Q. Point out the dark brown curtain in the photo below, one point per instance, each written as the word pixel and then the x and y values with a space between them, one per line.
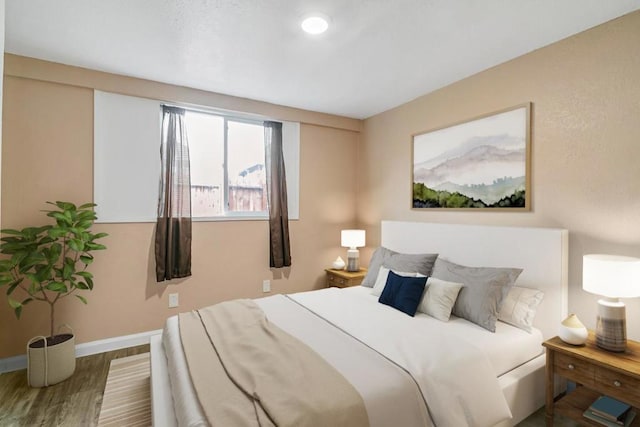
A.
pixel 279 250
pixel 173 229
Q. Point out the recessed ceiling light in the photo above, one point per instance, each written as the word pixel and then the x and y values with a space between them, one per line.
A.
pixel 315 24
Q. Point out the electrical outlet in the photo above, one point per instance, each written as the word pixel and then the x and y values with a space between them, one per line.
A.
pixel 173 300
pixel 266 286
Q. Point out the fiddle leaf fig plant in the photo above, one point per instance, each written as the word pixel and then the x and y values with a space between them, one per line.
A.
pixel 49 262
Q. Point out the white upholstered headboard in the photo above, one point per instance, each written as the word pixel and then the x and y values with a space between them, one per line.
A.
pixel 542 253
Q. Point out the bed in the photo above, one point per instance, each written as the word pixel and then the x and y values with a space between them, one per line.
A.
pixel 511 355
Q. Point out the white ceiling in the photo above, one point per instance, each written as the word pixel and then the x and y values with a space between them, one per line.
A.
pixel 377 54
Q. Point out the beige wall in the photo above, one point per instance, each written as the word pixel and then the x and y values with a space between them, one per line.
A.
pixel 585 148
pixel 2 7
pixel 47 155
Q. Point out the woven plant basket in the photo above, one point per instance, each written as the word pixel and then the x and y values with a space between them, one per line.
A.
pixel 50 364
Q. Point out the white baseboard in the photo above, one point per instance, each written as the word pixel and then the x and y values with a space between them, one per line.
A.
pixel 16 363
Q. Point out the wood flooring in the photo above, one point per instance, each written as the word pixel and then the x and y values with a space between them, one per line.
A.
pixel 75 402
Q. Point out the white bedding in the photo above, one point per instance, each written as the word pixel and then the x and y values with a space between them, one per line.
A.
pixel 352 359
pixel 374 377
pixel 506 349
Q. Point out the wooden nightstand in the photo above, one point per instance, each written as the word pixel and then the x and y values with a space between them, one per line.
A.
pixel 343 278
pixel 597 372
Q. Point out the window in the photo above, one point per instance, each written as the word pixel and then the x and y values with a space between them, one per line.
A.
pixel 227 166
pixel 227 162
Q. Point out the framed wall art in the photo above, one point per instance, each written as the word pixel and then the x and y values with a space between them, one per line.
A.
pixel 483 163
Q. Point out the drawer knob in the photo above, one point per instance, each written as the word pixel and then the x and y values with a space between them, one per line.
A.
pixel 617 383
pixel 570 366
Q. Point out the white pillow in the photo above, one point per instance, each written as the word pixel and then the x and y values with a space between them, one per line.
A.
pixel 439 298
pixel 519 307
pixel 381 280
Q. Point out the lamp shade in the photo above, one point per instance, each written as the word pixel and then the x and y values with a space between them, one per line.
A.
pixel 353 238
pixel 611 276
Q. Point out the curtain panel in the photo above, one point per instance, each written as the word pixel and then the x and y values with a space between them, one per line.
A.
pixel 279 249
pixel 173 228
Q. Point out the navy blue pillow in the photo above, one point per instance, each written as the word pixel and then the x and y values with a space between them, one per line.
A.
pixel 403 293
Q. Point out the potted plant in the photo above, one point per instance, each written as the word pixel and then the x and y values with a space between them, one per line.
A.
pixel 46 264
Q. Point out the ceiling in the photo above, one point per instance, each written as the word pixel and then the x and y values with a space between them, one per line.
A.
pixel 377 54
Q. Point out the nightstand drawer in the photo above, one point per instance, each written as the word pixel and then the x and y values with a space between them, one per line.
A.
pixel 575 369
pixel 337 281
pixel 343 279
pixel 619 385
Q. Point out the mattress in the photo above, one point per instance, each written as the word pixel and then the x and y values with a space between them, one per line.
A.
pixel 506 349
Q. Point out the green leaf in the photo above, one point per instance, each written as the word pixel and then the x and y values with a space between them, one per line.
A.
pixel 85 274
pixel 87 216
pixel 89 283
pixel 32 232
pixel 99 236
pixel 11 231
pixel 87 206
pixel 85 224
pixel 27 301
pixel 10 239
pixel 5 265
pixel 86 259
pixel 17 248
pixel 81 298
pixel 14 285
pixel 76 245
pixel 57 232
pixel 18 311
pixel 95 246
pixel 45 240
pixel 30 261
pixel 67 206
pixel 44 274
pixel 54 253
pixel 13 303
pixel 82 285
pixel 67 271
pixel 57 287
pixel 61 218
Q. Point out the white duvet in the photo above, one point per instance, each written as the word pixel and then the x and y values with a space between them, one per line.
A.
pixel 456 378
pixel 455 365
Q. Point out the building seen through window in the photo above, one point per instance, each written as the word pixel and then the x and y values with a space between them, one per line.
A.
pixel 227 166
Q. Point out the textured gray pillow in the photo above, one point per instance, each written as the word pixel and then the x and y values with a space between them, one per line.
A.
pixel 485 288
pixel 411 263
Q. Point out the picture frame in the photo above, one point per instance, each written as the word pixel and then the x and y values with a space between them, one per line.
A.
pixel 479 164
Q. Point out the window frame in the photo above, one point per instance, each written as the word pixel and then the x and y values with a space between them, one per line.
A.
pixel 126 162
pixel 238 118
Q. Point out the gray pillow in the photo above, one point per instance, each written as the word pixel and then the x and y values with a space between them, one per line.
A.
pixel 411 263
pixel 485 288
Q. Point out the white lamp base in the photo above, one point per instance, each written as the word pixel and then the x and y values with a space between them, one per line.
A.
pixel 611 326
pixel 353 260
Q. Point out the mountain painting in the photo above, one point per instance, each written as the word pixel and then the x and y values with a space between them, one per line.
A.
pixel 482 163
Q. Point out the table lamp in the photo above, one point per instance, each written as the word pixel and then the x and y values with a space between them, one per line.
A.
pixel 353 239
pixel 613 277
